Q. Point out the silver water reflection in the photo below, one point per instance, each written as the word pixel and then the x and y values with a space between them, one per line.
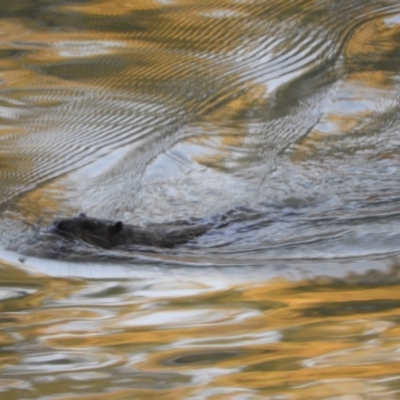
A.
pixel 280 118
pixel 188 334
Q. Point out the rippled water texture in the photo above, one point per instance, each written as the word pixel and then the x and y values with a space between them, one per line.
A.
pixel 279 118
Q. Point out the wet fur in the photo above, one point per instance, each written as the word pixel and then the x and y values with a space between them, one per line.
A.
pixel 109 234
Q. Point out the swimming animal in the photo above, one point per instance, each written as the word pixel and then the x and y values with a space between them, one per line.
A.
pixel 109 234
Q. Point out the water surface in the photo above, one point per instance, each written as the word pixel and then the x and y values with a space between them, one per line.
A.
pixel 281 117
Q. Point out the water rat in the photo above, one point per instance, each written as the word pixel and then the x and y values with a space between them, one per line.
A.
pixel 109 234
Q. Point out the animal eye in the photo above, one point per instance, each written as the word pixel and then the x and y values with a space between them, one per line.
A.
pixel 60 225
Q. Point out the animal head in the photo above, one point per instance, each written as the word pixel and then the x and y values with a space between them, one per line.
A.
pixel 98 232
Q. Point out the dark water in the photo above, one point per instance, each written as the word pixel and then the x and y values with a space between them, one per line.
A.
pixel 281 118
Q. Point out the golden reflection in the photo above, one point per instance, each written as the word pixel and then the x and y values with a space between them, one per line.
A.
pixel 226 129
pixel 43 203
pixel 372 43
pixel 137 394
pixel 371 59
pixel 105 74
pixel 277 336
pixel 113 8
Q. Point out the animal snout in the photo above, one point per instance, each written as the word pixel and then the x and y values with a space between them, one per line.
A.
pixel 56 226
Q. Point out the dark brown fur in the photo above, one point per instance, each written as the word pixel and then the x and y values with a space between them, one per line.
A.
pixel 109 234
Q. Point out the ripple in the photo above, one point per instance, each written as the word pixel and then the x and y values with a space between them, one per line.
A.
pixel 58 361
pixel 275 122
pixel 15 293
pixel 177 318
pixel 222 40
